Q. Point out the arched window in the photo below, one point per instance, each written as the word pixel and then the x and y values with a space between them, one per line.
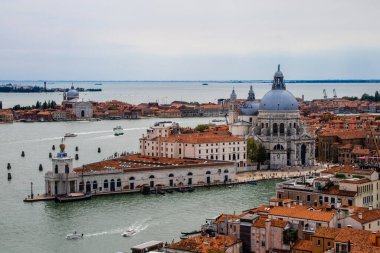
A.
pixel 131 178
pixel 208 173
pixel 278 147
pixel 225 171
pixel 67 169
pixel 105 184
pixel 171 175
pixel 88 186
pixel 275 128
pixel 151 176
pixel 118 182
pixel 282 128
pixel 56 168
pixel 190 174
pixel 95 185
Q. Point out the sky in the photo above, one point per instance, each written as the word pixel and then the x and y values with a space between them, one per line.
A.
pixel 188 39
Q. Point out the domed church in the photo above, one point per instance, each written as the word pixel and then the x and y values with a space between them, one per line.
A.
pixel 279 128
pixel 78 108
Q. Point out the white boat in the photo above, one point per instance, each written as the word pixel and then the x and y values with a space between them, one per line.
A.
pixel 128 233
pixel 70 135
pixel 118 131
pixel 74 236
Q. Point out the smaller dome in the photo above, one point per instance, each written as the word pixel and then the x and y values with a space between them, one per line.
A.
pixel 250 108
pixel 72 93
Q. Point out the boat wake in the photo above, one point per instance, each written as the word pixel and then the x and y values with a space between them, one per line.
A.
pixel 136 227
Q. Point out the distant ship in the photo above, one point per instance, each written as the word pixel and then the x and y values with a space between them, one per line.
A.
pixel 98 84
pixel 204 83
pixel 70 135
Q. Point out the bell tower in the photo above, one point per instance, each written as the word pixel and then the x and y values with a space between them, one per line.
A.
pixel 232 108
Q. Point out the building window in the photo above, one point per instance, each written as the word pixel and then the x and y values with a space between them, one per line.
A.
pixel 56 169
pixel 308 197
pixel 105 184
pixel 118 182
pixel 95 185
pixel 319 243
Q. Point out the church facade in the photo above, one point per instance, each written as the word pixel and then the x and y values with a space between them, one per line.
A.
pixel 275 122
pixel 71 102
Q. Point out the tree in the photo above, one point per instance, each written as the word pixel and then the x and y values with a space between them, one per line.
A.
pixel 44 105
pixel 252 149
pixel 201 127
pixel 262 154
pixel 38 105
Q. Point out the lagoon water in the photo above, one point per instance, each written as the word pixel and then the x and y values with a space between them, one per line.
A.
pixel 42 226
pixel 166 92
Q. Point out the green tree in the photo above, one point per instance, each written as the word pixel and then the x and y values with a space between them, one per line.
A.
pixel 262 154
pixel 44 105
pixel 201 127
pixel 38 105
pixel 252 149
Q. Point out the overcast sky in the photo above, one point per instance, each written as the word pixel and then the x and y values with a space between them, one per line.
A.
pixel 188 39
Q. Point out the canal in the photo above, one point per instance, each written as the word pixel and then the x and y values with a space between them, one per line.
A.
pixel 42 226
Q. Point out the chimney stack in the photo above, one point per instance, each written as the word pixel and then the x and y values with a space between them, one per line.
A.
pixel 370 207
pixel 360 215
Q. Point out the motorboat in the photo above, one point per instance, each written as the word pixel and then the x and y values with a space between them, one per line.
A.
pixel 74 236
pixel 129 233
pixel 118 131
pixel 71 197
pixel 70 135
pixel 204 83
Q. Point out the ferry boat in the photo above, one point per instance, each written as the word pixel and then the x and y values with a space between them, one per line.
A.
pixel 70 135
pixel 118 131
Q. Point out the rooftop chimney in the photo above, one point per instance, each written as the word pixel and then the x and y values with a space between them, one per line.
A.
pixel 360 215
pixel 349 226
pixel 370 207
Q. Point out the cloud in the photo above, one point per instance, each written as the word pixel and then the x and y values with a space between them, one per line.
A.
pixel 177 39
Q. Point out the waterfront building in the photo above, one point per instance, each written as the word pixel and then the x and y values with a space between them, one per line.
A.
pixel 6 116
pixel 215 143
pixel 132 172
pixel 337 186
pixel 72 103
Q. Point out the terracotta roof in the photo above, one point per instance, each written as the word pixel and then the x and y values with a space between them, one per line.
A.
pixel 364 249
pixel 334 190
pixel 367 216
pixel 259 223
pixel 303 245
pixel 205 137
pixel 223 216
pixel 278 223
pixel 355 236
pixel 285 201
pixel 327 232
pixel 302 213
pixel 204 244
pixel 139 162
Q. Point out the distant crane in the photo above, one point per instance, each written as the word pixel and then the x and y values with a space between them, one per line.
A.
pixel 324 94
pixel 334 91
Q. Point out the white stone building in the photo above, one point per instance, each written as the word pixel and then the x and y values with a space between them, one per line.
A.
pixel 133 172
pixel 166 140
pixel 81 109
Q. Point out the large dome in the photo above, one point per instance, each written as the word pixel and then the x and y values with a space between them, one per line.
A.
pixel 278 100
